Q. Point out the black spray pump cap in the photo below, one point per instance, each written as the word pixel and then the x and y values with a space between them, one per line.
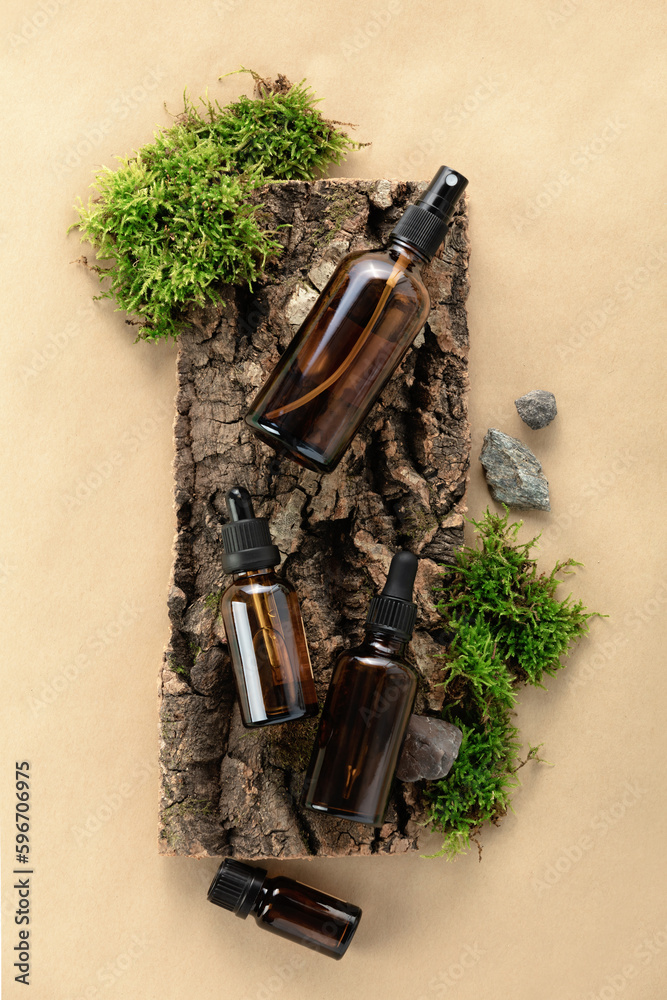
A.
pixel 236 887
pixel 424 225
pixel 246 538
pixel 394 610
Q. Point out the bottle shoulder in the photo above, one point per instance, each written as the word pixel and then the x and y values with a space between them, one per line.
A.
pixel 379 264
pixel 365 658
pixel 273 891
pixel 280 885
pixel 246 587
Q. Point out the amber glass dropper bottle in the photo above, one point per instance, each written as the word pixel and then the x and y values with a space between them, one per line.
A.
pixel 286 907
pixel 367 709
pixel 263 623
pixel 354 337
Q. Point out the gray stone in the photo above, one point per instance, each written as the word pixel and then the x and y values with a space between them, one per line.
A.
pixel 430 748
pixel 513 473
pixel 537 408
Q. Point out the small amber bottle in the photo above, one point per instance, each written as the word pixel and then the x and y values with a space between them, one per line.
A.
pixel 286 907
pixel 367 709
pixel 263 623
pixel 354 337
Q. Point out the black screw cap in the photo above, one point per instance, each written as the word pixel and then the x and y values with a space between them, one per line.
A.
pixel 246 538
pixel 394 610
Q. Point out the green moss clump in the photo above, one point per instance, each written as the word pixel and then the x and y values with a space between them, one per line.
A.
pixel 279 133
pixel 500 583
pixel 175 220
pixel 507 628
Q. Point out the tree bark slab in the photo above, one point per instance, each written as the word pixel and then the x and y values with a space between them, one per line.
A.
pixel 226 790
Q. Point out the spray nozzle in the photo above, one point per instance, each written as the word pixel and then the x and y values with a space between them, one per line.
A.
pixel 442 194
pixel 424 225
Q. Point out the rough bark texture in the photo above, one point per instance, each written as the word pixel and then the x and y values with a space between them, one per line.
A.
pixel 231 791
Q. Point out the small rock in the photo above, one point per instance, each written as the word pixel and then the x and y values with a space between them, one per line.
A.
pixel 513 473
pixel 537 408
pixel 430 748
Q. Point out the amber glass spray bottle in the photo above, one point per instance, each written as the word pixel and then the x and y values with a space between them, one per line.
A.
pixel 354 337
pixel 367 709
pixel 263 623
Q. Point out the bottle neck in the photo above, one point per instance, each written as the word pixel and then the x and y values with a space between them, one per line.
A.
pixel 385 643
pixel 256 880
pixel 246 574
pixel 412 257
pixel 262 896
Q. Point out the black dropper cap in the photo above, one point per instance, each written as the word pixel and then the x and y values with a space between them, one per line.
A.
pixel 424 225
pixel 394 610
pixel 236 887
pixel 246 538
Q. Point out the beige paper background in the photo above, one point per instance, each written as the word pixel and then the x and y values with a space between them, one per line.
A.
pixel 552 110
